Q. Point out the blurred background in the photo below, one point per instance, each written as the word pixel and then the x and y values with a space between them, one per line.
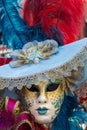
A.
pixel 83 32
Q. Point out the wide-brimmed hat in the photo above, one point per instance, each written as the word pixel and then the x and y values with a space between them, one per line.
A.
pixel 39 53
pixel 33 63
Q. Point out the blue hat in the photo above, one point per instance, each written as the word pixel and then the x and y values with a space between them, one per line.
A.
pixel 43 60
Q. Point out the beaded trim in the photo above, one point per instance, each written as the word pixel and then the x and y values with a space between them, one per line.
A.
pixel 53 74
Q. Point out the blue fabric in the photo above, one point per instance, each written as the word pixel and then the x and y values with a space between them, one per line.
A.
pixel 62 121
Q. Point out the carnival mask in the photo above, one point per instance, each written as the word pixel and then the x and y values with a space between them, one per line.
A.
pixel 44 100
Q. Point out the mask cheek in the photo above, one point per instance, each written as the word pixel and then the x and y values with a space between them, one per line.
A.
pixel 56 98
pixel 29 98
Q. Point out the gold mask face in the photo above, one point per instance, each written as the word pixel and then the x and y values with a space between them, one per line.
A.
pixel 44 100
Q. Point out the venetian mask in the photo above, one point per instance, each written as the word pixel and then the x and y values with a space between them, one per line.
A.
pixel 43 100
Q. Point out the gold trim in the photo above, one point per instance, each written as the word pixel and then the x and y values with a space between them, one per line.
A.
pixel 6 103
pixel 11 128
pixel 16 109
pixel 22 122
pixel 26 112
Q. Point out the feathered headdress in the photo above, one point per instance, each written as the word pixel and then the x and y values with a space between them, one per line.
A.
pixel 15 31
pixel 45 20
pixel 61 18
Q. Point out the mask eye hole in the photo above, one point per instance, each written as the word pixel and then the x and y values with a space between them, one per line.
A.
pixel 34 88
pixel 52 87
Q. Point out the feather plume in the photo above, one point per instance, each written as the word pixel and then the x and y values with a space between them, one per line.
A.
pixel 13 27
pixel 15 32
pixel 71 115
pixel 60 17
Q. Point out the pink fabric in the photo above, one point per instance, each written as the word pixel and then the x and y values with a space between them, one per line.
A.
pixel 23 117
pixel 6 120
pixel 11 105
pixel 30 124
pixel 25 120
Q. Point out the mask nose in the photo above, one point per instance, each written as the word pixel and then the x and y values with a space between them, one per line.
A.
pixel 42 98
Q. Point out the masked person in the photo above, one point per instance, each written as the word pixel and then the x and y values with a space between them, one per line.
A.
pixel 44 73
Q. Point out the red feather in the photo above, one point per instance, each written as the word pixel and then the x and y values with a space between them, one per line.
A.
pixel 64 15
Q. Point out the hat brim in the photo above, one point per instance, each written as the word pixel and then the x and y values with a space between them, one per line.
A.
pixel 59 65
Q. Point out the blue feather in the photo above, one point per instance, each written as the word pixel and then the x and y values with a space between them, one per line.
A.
pixel 77 118
pixel 69 116
pixel 15 32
